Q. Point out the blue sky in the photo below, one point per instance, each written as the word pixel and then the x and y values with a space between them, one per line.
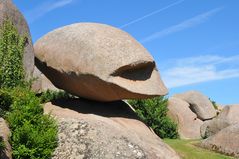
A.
pixel 195 43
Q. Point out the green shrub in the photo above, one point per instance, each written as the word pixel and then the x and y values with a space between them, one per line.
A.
pixel 5 101
pixel 214 104
pixel 34 135
pixel 49 95
pixel 11 56
pixel 154 113
pixel 2 145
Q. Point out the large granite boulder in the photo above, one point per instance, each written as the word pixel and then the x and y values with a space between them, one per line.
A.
pixel 199 103
pixel 4 135
pixel 230 113
pixel 211 127
pixel 89 129
pixel 228 116
pixel 225 141
pixel 98 62
pixel 188 123
pixel 41 83
pixel 9 11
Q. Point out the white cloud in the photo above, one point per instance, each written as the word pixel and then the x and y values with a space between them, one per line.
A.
pixel 199 69
pixel 189 23
pixel 45 8
pixel 151 14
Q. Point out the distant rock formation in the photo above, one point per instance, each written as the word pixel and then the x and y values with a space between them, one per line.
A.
pixel 228 116
pixel 190 110
pixel 188 123
pixel 89 129
pixel 225 141
pixel 199 104
pixel 8 11
pixel 98 62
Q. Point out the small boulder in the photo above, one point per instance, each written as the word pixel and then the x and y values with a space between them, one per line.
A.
pixel 98 62
pixel 89 129
pixel 230 113
pixel 41 83
pixel 228 116
pixel 225 141
pixel 9 11
pixel 188 123
pixel 199 104
pixel 211 127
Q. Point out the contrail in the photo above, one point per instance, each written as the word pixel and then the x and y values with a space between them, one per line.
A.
pixel 183 25
pixel 152 13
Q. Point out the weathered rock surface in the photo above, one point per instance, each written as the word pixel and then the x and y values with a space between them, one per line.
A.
pixel 199 104
pixel 98 62
pixel 228 116
pixel 211 127
pixel 89 129
pixel 9 11
pixel 188 123
pixel 41 83
pixel 230 113
pixel 4 134
pixel 225 141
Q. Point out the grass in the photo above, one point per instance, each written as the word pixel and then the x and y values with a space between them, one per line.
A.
pixel 187 149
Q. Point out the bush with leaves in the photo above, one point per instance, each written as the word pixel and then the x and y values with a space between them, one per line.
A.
pixel 2 145
pixel 50 95
pixel 11 56
pixel 5 101
pixel 214 104
pixel 154 113
pixel 34 135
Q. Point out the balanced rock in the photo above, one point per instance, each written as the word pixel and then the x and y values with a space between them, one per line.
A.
pixel 228 116
pixel 199 103
pixel 89 129
pixel 188 123
pixel 98 62
pixel 8 11
pixel 225 141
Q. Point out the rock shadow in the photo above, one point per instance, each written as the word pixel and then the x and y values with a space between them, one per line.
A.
pixel 105 109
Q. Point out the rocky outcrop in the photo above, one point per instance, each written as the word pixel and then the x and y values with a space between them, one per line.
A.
pixel 211 127
pixel 228 116
pixel 98 62
pixel 9 11
pixel 225 141
pixel 4 134
pixel 41 83
pixel 199 104
pixel 188 123
pixel 89 129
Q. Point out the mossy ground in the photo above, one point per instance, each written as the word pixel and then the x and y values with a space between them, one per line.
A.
pixel 188 149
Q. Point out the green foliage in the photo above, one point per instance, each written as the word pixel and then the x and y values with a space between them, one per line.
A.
pixel 214 104
pixel 2 145
pixel 11 56
pixel 34 135
pixel 5 101
pixel 154 113
pixel 49 95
